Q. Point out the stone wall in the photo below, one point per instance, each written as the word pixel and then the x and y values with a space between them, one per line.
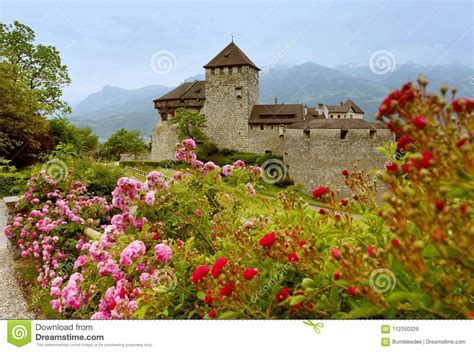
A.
pixel 163 141
pixel 266 140
pixel 231 93
pixel 317 158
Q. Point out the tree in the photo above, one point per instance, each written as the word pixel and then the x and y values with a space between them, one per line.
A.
pixel 189 125
pixel 124 142
pixel 24 133
pixel 38 66
pixel 66 133
pixel 31 81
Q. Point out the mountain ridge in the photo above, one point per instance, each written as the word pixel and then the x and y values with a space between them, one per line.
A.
pixel 309 83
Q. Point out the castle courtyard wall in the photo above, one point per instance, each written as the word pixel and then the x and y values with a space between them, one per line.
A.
pixel 266 140
pixel 164 139
pixel 317 158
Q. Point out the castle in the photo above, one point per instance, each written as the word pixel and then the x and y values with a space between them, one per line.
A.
pixel 315 142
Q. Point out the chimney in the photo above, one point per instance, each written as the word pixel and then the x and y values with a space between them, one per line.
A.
pixel 276 100
pixel 305 110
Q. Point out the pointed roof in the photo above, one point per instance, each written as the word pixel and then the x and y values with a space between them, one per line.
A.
pixel 230 56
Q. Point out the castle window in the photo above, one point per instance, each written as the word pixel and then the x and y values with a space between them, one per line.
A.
pixel 213 71
pixel 239 69
pixel 262 127
pixel 344 134
pixel 251 127
pixel 230 69
pixel 372 134
pixel 338 116
pixel 307 134
pixel 221 70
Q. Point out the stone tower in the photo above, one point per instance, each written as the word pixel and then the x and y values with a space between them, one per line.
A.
pixel 232 89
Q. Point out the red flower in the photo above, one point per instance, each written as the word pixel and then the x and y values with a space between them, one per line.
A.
pixel 226 291
pixel 292 257
pixel 302 243
pixel 267 240
pixel 335 252
pixel 403 142
pixel 180 243
pixel 212 314
pixel 322 211
pixel 208 299
pixel 318 192
pixel 398 97
pixel 344 202
pixel 351 290
pixel 395 243
pixel 461 142
pixel 250 273
pixel 406 168
pixel 337 275
pixel 391 167
pixel 426 157
pixel 370 251
pixel 464 209
pixel 199 273
pixel 345 172
pixel 439 204
pixel 218 266
pixel 283 294
pixel 419 122
pixel 337 217
pixel 462 103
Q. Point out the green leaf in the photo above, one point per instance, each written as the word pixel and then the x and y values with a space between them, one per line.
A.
pixel 229 315
pixel 307 283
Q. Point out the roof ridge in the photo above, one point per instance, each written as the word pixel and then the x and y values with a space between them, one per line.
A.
pixel 187 90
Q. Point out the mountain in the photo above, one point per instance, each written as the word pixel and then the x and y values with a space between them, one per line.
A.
pixel 117 101
pixel 309 83
pixel 453 75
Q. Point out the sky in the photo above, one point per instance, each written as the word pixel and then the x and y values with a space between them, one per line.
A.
pixel 135 43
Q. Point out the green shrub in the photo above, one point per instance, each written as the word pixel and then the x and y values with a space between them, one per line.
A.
pixel 151 164
pixel 100 178
pixel 12 184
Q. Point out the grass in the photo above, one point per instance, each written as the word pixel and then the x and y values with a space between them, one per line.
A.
pixel 37 298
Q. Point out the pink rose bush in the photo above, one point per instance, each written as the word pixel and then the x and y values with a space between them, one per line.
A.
pixel 50 220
